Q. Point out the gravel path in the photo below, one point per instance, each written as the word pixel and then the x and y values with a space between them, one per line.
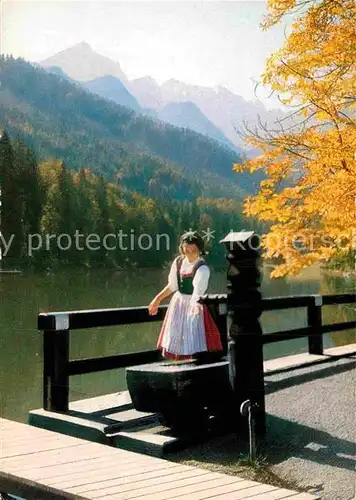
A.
pixel 311 427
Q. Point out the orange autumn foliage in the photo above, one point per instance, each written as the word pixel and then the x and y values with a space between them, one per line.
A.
pixel 309 192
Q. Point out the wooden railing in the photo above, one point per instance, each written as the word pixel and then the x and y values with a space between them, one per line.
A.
pixel 56 327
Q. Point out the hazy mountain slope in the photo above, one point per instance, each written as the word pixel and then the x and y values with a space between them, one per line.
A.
pixel 188 115
pixel 112 88
pixel 81 63
pixel 56 70
pixel 147 91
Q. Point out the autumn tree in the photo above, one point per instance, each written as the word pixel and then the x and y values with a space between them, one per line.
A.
pixel 308 194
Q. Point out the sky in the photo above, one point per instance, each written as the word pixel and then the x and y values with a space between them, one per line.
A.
pixel 202 42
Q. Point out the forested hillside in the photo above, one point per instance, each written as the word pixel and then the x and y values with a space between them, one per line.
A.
pixel 51 215
pixel 59 119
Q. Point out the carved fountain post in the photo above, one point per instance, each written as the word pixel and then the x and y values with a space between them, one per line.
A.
pixel 244 308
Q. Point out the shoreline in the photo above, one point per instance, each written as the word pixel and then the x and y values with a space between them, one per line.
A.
pixel 339 273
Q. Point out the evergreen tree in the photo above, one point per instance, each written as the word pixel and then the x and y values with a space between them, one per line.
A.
pixel 11 222
pixel 31 190
pixel 83 185
pixel 102 223
pixel 58 221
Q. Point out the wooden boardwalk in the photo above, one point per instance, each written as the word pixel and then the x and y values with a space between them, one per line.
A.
pixel 41 464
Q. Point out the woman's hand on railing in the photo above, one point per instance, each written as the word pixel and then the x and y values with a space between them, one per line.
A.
pixel 153 307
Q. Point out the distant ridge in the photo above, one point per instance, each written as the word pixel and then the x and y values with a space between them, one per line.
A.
pixel 148 92
pixel 186 114
pixel 56 70
pixel 112 88
pixel 81 63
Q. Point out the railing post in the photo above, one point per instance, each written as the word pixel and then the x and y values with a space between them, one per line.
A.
pixel 55 361
pixel 60 378
pixel 47 366
pixel 222 326
pixel 315 339
pixel 244 307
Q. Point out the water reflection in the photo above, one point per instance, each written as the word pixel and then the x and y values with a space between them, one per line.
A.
pixel 339 313
pixel 23 296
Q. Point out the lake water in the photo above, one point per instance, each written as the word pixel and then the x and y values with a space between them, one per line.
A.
pixel 23 296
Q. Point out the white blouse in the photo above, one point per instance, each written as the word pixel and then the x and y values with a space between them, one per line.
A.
pixel 200 280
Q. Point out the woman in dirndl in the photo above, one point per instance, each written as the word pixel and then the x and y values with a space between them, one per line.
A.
pixel 188 327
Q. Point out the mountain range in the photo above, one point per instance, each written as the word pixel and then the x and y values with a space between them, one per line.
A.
pixel 215 112
pixel 59 118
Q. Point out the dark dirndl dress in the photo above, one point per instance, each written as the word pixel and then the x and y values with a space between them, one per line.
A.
pixel 183 333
